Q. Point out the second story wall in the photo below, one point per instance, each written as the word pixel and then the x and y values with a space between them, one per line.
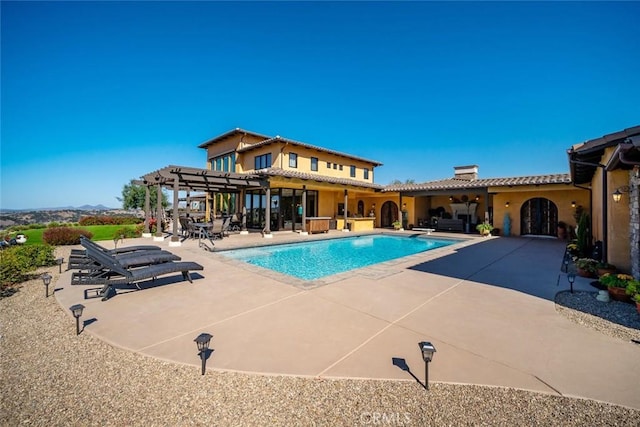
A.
pixel 307 160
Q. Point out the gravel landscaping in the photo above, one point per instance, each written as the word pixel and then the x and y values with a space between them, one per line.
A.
pixel 50 376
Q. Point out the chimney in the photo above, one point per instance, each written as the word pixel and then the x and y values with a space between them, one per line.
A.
pixel 468 173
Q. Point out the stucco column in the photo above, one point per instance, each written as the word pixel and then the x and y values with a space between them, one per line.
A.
pixel 147 212
pixel 304 210
pixel 158 235
pixel 175 238
pixel 634 220
pixel 346 203
pixel 267 214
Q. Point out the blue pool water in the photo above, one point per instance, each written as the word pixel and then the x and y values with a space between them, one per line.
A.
pixel 313 260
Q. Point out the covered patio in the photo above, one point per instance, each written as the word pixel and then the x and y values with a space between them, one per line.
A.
pixel 189 179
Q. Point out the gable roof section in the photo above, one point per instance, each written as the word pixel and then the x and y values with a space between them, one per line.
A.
pixel 584 158
pixel 230 133
pixel 463 184
pixel 287 173
pixel 305 145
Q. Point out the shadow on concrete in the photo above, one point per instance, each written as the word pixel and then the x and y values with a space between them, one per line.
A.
pixel 529 265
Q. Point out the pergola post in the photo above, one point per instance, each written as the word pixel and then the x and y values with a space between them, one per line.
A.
pixel 175 237
pixel 267 214
pixel 304 211
pixel 346 203
pixel 158 236
pixel 147 212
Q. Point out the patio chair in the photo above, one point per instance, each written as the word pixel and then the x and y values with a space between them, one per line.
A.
pixel 113 273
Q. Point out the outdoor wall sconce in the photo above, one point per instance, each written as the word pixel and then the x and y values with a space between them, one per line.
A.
pixel 77 312
pixel 46 280
pixel 373 206
pixel 571 277
pixel 573 203
pixel 477 198
pixel 427 350
pixel 404 206
pixel 617 195
pixel 59 261
pixel 451 198
pixel 506 205
pixel 202 341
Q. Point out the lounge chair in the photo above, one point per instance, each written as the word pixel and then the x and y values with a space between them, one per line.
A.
pixel 79 259
pixel 112 272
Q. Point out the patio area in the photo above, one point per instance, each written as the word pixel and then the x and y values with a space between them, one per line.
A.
pixel 486 304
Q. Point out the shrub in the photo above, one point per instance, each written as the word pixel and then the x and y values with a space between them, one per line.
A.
pixel 128 232
pixel 615 280
pixel 17 262
pixel 64 236
pixel 109 220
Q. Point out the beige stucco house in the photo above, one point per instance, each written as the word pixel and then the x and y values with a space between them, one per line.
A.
pixel 609 168
pixel 280 183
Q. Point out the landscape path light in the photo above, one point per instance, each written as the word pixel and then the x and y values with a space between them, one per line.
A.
pixel 571 277
pixel 76 309
pixel 427 350
pixel 59 261
pixel 46 279
pixel 202 341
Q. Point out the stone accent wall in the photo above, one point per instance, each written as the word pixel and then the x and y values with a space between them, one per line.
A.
pixel 634 225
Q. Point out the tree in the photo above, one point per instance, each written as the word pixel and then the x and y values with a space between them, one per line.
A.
pixel 133 197
pixel 398 182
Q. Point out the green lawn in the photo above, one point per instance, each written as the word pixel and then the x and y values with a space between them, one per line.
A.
pixel 100 232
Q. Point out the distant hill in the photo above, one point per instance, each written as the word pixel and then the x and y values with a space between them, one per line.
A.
pixel 60 215
pixel 62 208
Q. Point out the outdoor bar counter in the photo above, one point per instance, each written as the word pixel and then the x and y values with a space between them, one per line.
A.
pixel 357 224
pixel 318 224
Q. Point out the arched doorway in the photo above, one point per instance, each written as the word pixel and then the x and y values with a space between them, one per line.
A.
pixel 388 213
pixel 360 208
pixel 539 217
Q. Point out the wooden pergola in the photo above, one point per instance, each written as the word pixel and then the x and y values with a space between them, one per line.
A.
pixel 181 178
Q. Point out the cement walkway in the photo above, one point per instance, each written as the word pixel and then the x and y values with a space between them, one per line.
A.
pixel 486 304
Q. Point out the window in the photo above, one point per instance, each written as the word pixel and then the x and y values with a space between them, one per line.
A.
pixel 314 164
pixel 262 162
pixel 366 173
pixel 328 165
pixel 225 163
pixel 335 166
pixel 293 160
pixel 353 172
pixel 340 167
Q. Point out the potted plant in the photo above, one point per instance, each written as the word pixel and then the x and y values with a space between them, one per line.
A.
pixel 397 225
pixel 484 228
pixel 604 268
pixel 633 290
pixel 617 286
pixel 572 248
pixel 562 230
pixel 586 267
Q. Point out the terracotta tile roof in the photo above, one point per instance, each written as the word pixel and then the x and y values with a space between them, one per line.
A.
pixel 286 173
pixel 456 183
pixel 304 144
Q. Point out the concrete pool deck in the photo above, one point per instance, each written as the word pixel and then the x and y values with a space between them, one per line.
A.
pixel 486 304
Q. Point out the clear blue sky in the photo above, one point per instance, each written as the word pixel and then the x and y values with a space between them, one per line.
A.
pixel 95 94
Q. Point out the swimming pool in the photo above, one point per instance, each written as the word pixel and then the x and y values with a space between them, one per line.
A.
pixel 317 259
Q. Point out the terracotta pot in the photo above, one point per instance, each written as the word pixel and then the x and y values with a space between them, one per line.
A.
pixel 603 271
pixel 619 294
pixel 584 273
